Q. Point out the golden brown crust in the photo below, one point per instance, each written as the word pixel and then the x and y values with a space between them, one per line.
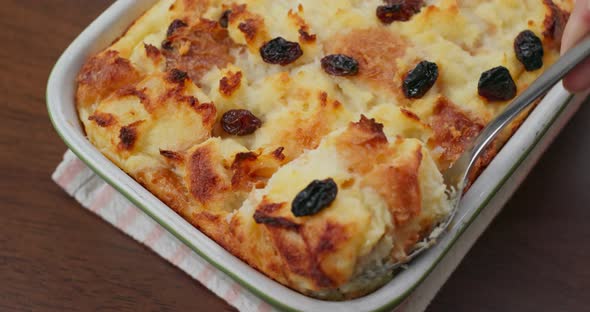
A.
pixel 237 12
pixel 171 155
pixel 305 36
pixel 367 132
pixel 363 144
pixel 367 150
pixel 304 250
pixel 243 167
pixel 207 111
pixel 195 5
pixel 132 91
pixel 453 130
pixel 103 74
pixel 482 162
pixel 170 189
pixel 250 28
pixel 278 153
pixel 128 135
pixel 305 131
pixel 176 76
pixel 103 119
pixel 262 216
pixel 376 50
pixel 198 48
pixel 400 187
pixel 554 23
pixel 254 170
pixel 205 182
pixel 410 114
pixel 303 28
pixel 152 52
pixel 249 25
pixel 230 83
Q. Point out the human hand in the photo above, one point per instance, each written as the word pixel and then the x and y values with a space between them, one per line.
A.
pixel 576 29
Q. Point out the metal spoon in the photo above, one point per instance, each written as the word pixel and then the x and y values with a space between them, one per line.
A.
pixel 457 176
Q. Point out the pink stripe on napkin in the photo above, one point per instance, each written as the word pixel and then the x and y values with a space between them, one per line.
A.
pixel 103 196
pixel 99 197
pixel 264 307
pixel 206 274
pixel 154 235
pixel 233 293
pixel 129 217
pixel 181 252
pixel 70 172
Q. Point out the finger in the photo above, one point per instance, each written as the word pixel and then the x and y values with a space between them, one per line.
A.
pixel 578 25
pixel 576 29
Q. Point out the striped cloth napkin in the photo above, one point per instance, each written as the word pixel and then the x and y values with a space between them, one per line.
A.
pixel 99 197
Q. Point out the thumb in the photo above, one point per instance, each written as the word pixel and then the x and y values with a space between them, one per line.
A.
pixel 576 29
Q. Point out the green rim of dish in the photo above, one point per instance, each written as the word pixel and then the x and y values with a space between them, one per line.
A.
pixel 275 302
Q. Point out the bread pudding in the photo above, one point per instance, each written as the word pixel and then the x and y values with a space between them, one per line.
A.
pixel 308 138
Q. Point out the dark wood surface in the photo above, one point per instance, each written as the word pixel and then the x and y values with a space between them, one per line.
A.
pixel 56 256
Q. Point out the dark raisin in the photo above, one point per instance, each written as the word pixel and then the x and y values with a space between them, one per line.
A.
pixel 420 79
pixel 398 10
pixel 280 51
pixel 496 84
pixel 340 65
pixel 174 26
pixel 318 195
pixel 240 122
pixel 224 19
pixel 529 50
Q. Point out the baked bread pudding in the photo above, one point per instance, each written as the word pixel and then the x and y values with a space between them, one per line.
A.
pixel 308 137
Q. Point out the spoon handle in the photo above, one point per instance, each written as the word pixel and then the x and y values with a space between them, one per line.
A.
pixel 537 89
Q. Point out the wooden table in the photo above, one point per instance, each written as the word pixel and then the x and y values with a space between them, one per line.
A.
pixel 56 256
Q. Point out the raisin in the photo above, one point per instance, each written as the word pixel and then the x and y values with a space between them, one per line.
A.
pixel 224 19
pixel 529 50
pixel 398 10
pixel 280 51
pixel 174 26
pixel 340 65
pixel 496 84
pixel 318 195
pixel 240 122
pixel 420 79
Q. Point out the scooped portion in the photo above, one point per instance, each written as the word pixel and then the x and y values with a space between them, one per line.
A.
pixel 311 147
pixel 359 201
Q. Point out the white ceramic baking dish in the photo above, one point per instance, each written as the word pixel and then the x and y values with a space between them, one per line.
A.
pixel 479 206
